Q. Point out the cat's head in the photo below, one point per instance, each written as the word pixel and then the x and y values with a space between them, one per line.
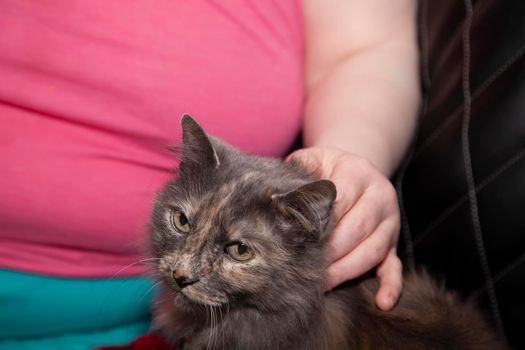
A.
pixel 240 230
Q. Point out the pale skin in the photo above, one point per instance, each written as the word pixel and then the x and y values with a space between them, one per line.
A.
pixel 362 100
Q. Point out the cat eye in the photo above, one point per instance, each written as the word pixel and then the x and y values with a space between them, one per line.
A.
pixel 180 221
pixel 239 251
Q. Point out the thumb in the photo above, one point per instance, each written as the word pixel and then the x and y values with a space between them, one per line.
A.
pixel 305 157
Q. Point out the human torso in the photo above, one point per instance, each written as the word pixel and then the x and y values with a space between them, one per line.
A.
pixel 91 96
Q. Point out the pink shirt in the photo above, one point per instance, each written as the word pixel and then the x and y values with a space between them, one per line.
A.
pixel 91 93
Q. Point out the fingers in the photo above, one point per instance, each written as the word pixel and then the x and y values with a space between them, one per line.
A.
pixel 366 215
pixel 390 275
pixel 355 226
pixel 365 256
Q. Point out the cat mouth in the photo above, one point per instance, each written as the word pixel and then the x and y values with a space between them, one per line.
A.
pixel 194 298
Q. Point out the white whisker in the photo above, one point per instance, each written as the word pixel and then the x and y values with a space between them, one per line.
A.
pixel 208 324
pixel 219 329
pixel 133 264
pixel 150 289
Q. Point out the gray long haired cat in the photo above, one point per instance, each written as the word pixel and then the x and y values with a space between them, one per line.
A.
pixel 240 242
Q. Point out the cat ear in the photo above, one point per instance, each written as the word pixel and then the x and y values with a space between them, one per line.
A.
pixel 309 205
pixel 196 145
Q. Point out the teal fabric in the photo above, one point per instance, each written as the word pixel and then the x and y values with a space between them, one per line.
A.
pixel 42 312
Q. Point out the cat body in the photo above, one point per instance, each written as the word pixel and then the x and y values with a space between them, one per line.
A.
pixel 240 242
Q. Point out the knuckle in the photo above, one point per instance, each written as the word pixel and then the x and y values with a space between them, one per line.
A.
pixel 361 226
pixel 393 226
pixel 396 227
pixel 396 264
pixel 379 253
pixel 393 236
pixel 389 192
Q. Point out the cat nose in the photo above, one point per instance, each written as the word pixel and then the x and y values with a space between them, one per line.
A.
pixel 181 280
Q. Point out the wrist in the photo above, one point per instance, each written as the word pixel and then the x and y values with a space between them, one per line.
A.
pixel 366 145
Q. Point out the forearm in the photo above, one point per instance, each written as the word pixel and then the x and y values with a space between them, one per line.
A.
pixel 362 84
pixel 366 105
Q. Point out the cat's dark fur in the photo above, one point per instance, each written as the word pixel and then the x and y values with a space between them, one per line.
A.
pixel 274 300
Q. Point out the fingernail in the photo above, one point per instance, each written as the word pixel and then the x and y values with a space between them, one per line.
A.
pixel 391 301
pixel 388 303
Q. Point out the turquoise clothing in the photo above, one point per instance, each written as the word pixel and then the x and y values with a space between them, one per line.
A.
pixel 42 312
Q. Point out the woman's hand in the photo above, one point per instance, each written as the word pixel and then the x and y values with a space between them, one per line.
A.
pixel 367 221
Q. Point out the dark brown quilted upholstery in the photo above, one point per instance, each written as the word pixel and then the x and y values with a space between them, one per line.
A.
pixel 462 191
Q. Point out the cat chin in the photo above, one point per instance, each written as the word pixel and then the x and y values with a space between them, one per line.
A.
pixel 190 301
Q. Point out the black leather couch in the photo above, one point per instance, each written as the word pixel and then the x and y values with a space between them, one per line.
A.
pixel 462 188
